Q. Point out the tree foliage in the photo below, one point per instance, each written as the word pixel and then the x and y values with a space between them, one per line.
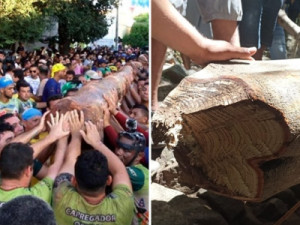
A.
pixel 20 21
pixel 138 36
pixel 80 20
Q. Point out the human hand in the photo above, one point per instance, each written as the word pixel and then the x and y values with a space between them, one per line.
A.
pixel 112 99
pixel 58 126
pixel 106 117
pixel 91 136
pixel 75 122
pixel 41 126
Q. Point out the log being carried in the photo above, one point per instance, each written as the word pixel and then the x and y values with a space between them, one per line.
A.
pixel 90 99
pixel 235 128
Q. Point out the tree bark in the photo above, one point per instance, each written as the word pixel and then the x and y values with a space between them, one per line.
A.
pixel 90 99
pixel 235 128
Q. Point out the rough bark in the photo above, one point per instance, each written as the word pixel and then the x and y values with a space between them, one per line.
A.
pixel 90 99
pixel 235 128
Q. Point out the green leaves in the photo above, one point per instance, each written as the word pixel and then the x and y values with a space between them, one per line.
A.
pixel 139 33
pixel 19 21
pixel 79 20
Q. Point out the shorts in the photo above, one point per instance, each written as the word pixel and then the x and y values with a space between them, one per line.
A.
pixel 220 9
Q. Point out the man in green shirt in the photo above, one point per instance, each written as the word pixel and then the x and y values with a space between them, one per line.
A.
pixel 8 104
pixel 130 150
pixel 16 166
pixel 79 191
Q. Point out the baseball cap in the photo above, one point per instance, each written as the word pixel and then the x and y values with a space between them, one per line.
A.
pixel 67 86
pixel 104 70
pixel 43 61
pixel 30 113
pixel 5 82
pixel 102 61
pixel 91 74
pixel 113 68
pixel 57 67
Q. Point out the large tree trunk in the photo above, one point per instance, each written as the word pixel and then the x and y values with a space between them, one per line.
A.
pixel 235 128
pixel 90 97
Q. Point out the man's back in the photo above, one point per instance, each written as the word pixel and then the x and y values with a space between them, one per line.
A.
pixel 42 190
pixel 70 207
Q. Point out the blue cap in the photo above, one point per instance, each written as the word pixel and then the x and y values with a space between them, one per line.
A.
pixel 4 82
pixel 30 113
pixel 102 61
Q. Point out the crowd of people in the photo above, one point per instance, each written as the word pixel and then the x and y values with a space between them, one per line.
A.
pixel 88 172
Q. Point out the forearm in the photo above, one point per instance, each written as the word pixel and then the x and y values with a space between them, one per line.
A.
pixel 58 158
pixel 73 151
pixel 135 95
pixel 39 146
pixel 167 23
pixel 27 136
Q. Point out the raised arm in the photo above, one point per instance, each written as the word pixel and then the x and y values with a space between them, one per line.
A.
pixel 61 145
pixel 116 167
pixel 27 136
pixel 57 131
pixel 74 149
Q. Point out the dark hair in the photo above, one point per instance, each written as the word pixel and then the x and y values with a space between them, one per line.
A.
pixel 21 83
pixel 5 127
pixel 26 210
pixel 70 90
pixel 91 171
pixel 9 68
pixel 143 108
pixel 139 140
pixel 6 116
pixel 71 72
pixel 34 65
pixel 43 69
pixel 19 73
pixel 52 98
pixel 15 157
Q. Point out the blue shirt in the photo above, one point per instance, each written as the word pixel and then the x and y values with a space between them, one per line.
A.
pixel 52 87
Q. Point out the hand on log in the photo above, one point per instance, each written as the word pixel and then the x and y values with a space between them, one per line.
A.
pixel 235 128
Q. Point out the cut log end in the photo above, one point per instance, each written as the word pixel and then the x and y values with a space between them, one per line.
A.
pixel 230 143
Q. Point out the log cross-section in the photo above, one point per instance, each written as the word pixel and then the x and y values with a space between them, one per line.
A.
pixel 235 128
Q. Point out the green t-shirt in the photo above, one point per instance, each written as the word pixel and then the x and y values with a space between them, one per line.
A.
pixel 25 105
pixel 12 106
pixel 71 208
pixel 139 176
pixel 43 190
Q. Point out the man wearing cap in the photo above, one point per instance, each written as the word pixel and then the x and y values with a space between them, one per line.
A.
pixel 103 67
pixel 7 103
pixel 130 149
pixel 52 86
pixel 92 75
pixel 31 118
